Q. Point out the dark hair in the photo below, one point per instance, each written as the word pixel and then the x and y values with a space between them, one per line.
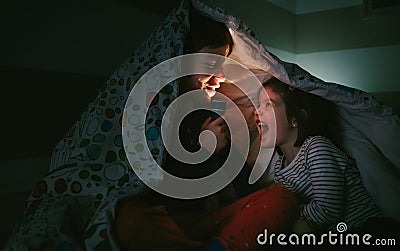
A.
pixel 206 32
pixel 314 115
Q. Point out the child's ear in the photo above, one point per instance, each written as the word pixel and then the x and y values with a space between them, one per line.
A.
pixel 303 117
pixel 293 123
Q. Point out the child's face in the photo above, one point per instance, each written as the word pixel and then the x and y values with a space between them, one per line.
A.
pixel 271 114
pixel 208 82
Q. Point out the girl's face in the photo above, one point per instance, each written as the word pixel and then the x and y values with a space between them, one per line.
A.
pixel 270 105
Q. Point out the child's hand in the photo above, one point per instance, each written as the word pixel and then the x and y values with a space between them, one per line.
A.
pixel 220 130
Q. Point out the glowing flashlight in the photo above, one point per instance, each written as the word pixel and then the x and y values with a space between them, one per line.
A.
pixel 218 108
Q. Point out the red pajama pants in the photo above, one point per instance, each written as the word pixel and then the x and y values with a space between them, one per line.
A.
pixel 235 226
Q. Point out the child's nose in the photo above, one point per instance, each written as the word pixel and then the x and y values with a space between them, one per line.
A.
pixel 220 76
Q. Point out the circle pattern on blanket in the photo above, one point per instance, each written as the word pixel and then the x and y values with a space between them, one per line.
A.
pixel 113 172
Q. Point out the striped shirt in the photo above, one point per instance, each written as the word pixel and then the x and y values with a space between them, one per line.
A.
pixel 327 184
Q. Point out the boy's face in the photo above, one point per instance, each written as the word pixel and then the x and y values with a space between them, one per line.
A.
pixel 208 82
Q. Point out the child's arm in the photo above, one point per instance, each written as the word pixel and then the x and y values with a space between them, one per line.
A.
pixel 326 165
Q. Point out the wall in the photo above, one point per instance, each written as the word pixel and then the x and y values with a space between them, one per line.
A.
pixel 55 56
pixel 344 46
pixel 91 37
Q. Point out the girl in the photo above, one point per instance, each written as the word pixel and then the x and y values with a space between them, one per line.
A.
pixel 325 180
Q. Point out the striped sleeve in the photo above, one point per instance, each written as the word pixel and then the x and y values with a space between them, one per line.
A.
pixel 326 165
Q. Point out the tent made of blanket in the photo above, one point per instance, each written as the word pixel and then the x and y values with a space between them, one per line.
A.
pixel 72 207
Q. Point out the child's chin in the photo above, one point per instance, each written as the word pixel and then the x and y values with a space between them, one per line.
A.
pixel 266 142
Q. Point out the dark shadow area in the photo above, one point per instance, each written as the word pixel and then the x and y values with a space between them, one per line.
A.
pixel 39 106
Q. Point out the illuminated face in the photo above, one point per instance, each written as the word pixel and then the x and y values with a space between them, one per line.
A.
pixel 207 82
pixel 272 107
